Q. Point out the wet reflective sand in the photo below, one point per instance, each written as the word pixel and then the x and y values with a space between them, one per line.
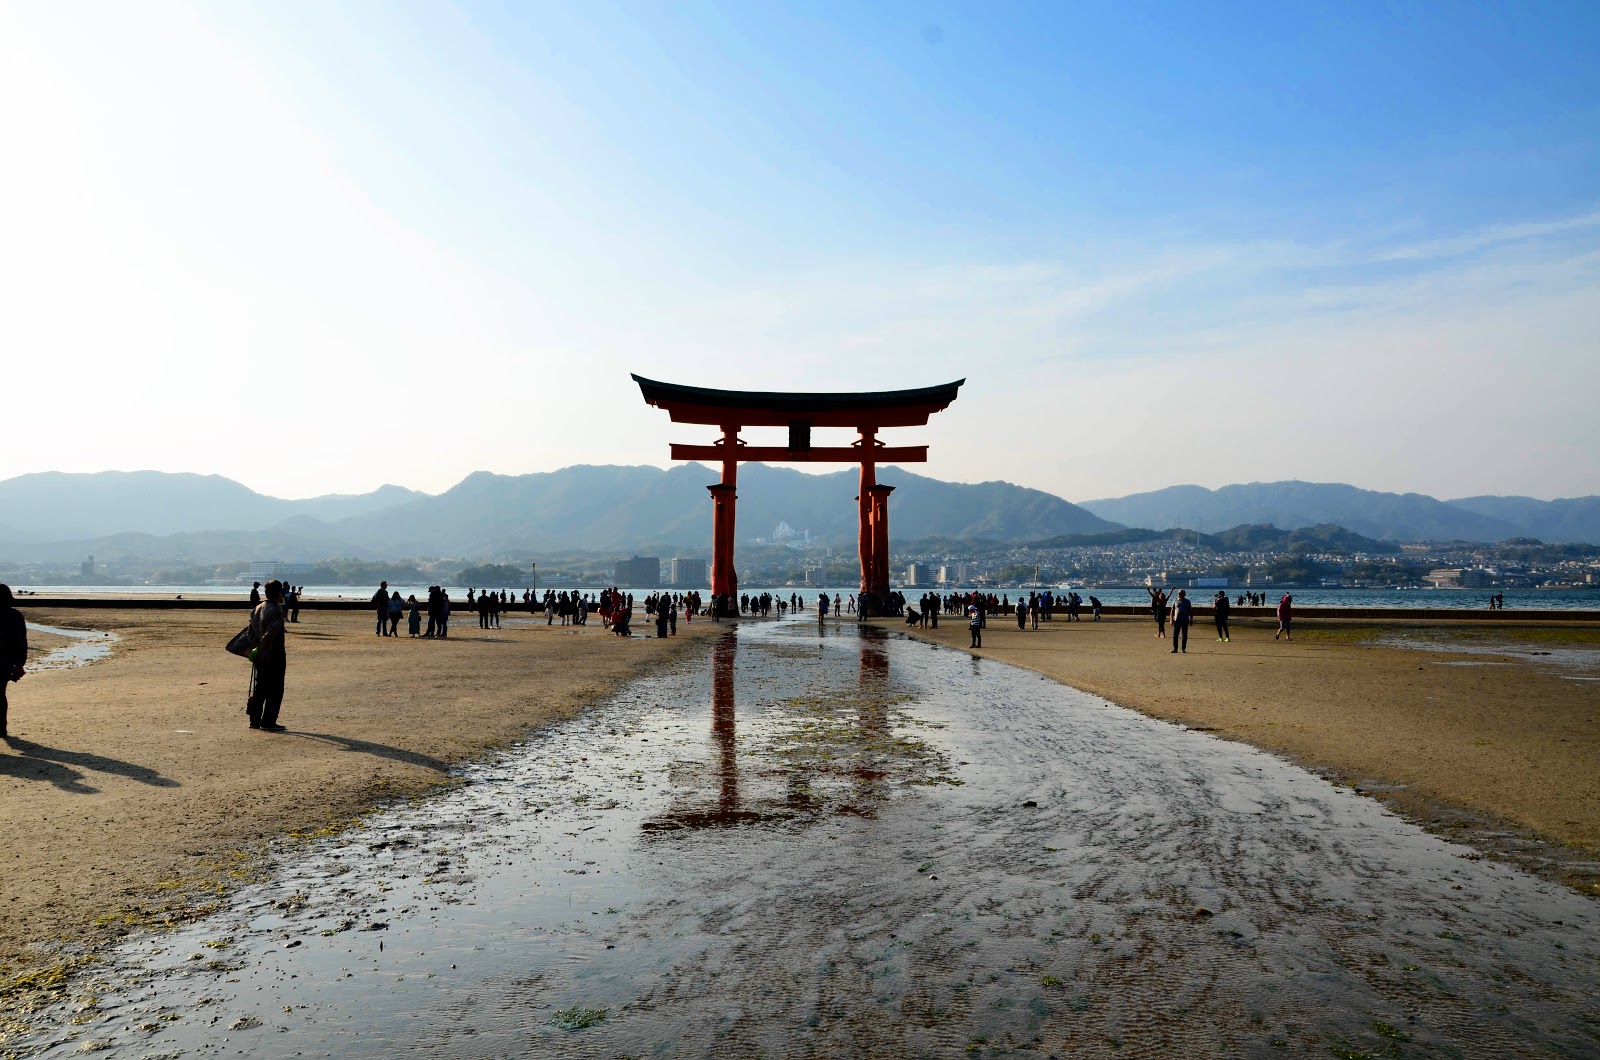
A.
pixel 854 844
pixel 86 646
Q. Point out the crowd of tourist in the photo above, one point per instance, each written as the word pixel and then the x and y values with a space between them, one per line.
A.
pixel 664 609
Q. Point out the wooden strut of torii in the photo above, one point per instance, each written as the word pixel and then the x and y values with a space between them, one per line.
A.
pixel 864 412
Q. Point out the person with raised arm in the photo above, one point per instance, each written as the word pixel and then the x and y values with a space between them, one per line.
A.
pixel 1158 607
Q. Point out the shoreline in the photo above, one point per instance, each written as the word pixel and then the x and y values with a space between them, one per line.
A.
pixel 1487 747
pixel 136 794
pixel 1202 611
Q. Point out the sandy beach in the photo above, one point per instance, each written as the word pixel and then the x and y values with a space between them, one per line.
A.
pixel 134 789
pixel 1434 718
pixel 135 794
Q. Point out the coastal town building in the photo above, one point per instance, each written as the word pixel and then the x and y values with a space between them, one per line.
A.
pixel 640 572
pixel 687 573
pixel 1464 577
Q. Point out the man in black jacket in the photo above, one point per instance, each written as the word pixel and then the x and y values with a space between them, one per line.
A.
pixel 1182 611
pixel 380 600
pixel 270 660
pixel 13 649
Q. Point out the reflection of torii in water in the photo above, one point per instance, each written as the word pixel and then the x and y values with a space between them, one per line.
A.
pixel 872 682
pixel 727 811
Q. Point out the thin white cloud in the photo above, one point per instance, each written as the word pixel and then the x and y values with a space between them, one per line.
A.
pixel 1491 236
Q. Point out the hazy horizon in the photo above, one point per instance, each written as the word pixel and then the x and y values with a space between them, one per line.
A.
pixel 807 469
pixel 1163 245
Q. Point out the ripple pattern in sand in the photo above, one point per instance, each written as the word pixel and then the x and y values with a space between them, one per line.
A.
pixel 841 843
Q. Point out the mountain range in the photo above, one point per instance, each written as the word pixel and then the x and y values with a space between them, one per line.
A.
pixel 208 518
pixel 1387 516
pixel 198 518
pixel 55 505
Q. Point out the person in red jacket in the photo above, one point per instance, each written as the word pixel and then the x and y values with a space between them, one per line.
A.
pixel 1285 616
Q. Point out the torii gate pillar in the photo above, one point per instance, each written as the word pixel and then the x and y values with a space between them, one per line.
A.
pixel 867 413
pixel 875 540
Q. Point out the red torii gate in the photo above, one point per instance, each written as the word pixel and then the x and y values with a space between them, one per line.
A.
pixel 864 412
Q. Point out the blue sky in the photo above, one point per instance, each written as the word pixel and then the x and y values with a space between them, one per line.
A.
pixel 1165 243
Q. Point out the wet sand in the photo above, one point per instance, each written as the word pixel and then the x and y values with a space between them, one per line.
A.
pixel 842 842
pixel 1464 716
pixel 134 789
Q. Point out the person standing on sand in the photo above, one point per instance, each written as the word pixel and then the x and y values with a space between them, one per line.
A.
pixel 1182 610
pixel 255 594
pixel 13 650
pixel 1158 606
pixel 1094 602
pixel 380 604
pixel 1285 616
pixel 975 625
pixel 1022 613
pixel 396 609
pixel 269 659
pixel 1219 614
pixel 414 616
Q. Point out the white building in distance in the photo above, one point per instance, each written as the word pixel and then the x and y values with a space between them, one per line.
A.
pixel 684 573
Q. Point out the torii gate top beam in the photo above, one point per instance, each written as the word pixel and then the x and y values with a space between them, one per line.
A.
pixel 752 408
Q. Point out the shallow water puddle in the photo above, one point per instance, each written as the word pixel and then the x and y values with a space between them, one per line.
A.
pixel 820 843
pixel 1570 663
pixel 88 646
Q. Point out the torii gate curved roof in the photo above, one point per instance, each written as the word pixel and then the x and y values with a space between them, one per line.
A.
pixel 755 408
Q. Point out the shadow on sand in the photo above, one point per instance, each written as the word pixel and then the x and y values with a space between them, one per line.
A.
pixel 381 750
pixel 36 761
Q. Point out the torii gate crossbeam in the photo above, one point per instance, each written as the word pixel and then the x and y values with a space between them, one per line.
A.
pixel 864 412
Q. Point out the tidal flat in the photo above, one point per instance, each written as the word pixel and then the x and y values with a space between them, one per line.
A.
pixel 804 841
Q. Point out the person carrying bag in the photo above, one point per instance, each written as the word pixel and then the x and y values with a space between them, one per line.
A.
pixel 262 642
